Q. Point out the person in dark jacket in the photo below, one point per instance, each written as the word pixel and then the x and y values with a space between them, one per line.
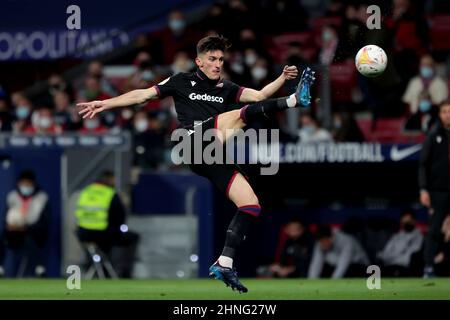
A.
pixel 296 251
pixel 442 259
pixel 434 182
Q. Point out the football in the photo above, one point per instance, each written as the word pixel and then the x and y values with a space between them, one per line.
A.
pixel 371 61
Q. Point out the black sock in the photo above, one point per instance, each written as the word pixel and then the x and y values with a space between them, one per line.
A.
pixel 263 108
pixel 238 228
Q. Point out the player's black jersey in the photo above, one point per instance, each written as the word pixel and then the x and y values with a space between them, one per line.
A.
pixel 197 97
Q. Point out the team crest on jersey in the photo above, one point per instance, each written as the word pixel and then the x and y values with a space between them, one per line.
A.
pixel 219 85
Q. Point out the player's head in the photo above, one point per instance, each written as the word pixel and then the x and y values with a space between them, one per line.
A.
pixel 210 55
pixel 444 114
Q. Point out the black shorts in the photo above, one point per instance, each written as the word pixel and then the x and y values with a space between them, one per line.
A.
pixel 221 175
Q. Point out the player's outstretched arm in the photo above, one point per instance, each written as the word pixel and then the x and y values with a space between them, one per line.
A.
pixel 252 95
pixel 90 109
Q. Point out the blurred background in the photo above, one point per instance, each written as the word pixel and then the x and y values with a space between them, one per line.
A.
pixel 175 221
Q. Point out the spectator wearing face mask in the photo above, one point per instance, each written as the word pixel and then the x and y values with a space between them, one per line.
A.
pixel 22 112
pixel 125 119
pixel 149 140
pixel 260 73
pixel 182 63
pixel 42 122
pixel 330 47
pixel 92 126
pixel 174 38
pixel 401 253
pixel 310 130
pixel 427 81
pixel 95 69
pixel 27 227
pixel 425 117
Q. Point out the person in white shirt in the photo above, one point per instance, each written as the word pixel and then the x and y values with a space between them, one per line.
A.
pixel 337 254
pixel 311 131
pixel 426 81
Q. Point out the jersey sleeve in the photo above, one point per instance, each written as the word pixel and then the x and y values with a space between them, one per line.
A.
pixel 234 92
pixel 168 87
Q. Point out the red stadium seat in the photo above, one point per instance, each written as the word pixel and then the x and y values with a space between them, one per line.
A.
pixel 343 80
pixel 318 23
pixel 389 130
pixel 285 39
pixel 279 45
pixel 439 32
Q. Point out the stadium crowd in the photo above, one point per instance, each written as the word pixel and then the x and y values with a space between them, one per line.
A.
pixel 300 33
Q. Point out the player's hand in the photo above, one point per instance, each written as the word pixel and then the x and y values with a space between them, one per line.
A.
pixel 425 198
pixel 290 72
pixel 439 258
pixel 90 109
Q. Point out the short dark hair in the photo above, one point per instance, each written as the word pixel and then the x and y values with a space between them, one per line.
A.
pixel 213 43
pixel 297 220
pixel 105 176
pixel 408 212
pixel 27 175
pixel 323 232
pixel 444 103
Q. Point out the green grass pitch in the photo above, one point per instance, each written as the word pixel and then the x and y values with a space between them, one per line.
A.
pixel 200 289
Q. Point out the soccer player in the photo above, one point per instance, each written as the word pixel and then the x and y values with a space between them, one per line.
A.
pixel 202 97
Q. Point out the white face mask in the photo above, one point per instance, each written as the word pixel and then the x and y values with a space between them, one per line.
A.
pixel 177 25
pixel 45 122
pixel 259 73
pixel 237 67
pixel 147 75
pixel 91 124
pixel 309 129
pixel 141 125
pixel 250 59
pixel 26 190
pixel 127 114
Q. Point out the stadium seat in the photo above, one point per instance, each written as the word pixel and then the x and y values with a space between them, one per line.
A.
pixel 343 80
pixel 318 23
pixel 278 46
pixel 439 32
pixel 285 39
pixel 388 130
